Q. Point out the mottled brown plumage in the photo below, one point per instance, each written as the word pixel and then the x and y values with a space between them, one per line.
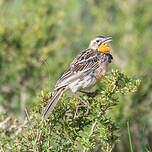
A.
pixel 85 71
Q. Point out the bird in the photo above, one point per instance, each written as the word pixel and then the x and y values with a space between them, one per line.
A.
pixel 86 70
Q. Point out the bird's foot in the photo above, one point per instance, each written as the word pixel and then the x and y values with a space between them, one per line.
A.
pixel 91 94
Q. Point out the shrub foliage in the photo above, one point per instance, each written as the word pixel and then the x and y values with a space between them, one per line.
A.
pixel 62 131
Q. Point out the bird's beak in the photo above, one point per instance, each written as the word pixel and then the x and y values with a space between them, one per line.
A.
pixel 107 40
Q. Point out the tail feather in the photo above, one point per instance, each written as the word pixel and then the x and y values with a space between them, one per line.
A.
pixel 52 102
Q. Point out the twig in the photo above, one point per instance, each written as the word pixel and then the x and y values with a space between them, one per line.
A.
pixel 24 123
pixel 28 118
pixel 2 124
pixel 2 149
pixel 84 150
pixel 23 98
pixel 39 136
pixel 93 126
pixel 27 114
pixel 113 90
pixel 92 130
pixel 21 127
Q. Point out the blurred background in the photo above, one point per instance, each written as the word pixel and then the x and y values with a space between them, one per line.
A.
pixel 39 39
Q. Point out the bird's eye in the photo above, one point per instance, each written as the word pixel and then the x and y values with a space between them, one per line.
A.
pixel 97 41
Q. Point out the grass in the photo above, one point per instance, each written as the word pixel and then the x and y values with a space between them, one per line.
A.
pixel 130 141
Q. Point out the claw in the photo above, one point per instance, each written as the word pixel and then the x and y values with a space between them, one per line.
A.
pixel 91 94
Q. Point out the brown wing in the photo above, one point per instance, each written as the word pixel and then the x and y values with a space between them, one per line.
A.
pixel 84 63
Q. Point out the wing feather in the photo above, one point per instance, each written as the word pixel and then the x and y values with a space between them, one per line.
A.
pixel 85 62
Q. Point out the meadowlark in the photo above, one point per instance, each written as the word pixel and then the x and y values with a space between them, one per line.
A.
pixel 85 71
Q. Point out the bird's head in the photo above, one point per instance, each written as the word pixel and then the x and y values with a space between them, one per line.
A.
pixel 101 43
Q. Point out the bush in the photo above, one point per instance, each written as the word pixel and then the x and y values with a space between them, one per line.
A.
pixel 64 132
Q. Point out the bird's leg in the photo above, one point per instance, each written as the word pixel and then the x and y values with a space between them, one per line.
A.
pixel 79 106
pixel 76 111
pixel 91 94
